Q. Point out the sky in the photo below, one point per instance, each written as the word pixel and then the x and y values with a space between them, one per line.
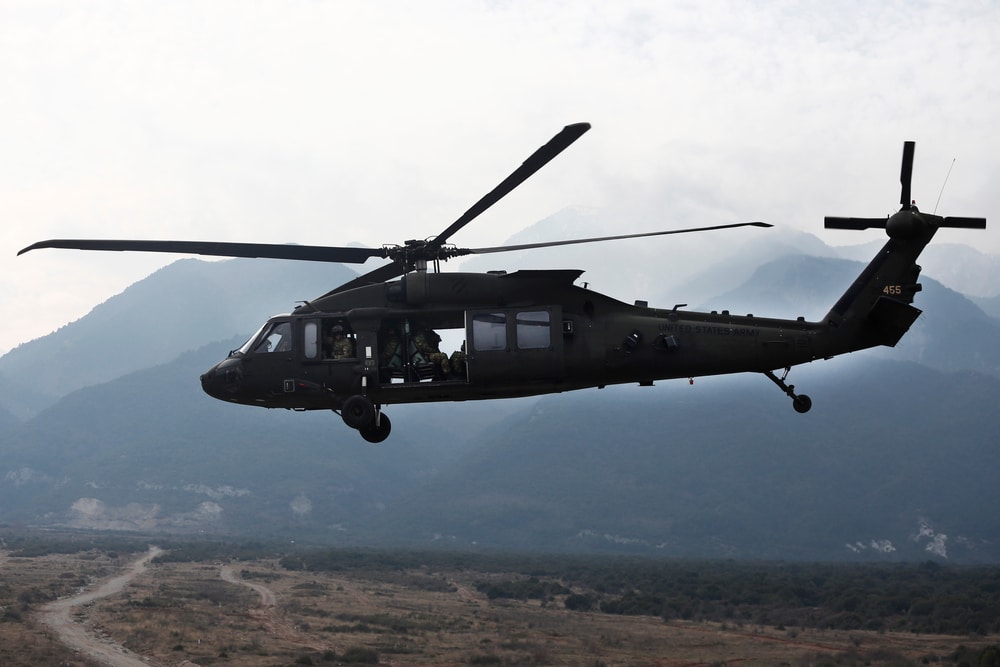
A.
pixel 342 122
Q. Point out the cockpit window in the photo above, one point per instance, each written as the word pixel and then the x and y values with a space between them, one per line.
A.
pixel 277 339
pixel 245 347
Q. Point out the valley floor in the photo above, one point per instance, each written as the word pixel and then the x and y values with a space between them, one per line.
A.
pixel 255 612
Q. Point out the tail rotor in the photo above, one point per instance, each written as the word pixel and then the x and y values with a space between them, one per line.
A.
pixel 908 221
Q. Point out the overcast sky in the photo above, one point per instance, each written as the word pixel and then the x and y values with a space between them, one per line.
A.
pixel 375 122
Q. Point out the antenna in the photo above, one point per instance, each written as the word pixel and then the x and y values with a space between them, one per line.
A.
pixel 944 184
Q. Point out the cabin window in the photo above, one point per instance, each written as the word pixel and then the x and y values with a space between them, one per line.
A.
pixel 310 333
pixel 489 332
pixel 277 339
pixel 338 339
pixel 533 330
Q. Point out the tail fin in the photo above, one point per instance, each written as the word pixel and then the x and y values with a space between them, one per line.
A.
pixel 876 309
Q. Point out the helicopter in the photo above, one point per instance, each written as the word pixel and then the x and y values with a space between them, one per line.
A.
pixel 374 341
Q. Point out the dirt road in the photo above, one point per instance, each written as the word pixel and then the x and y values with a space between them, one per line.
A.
pixel 267 596
pixel 266 614
pixel 58 615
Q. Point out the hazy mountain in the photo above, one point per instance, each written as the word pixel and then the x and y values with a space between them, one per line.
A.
pixel 799 259
pixel 694 268
pixel 894 460
pixel 179 308
pixel 958 267
pixel 990 305
pixel 963 268
pixel 151 451
pixel 660 270
pixel 7 420
pixel 953 333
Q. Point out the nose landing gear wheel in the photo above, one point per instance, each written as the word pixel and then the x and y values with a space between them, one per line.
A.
pixel 378 430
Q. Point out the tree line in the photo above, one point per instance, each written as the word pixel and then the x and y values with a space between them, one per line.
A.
pixel 927 597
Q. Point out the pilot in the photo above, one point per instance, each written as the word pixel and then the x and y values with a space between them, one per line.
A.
pixel 278 339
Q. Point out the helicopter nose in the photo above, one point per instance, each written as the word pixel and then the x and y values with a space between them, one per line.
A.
pixel 224 379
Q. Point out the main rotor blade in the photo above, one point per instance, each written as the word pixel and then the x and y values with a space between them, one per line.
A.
pixel 378 275
pixel 221 249
pixel 536 161
pixel 906 173
pixel 549 244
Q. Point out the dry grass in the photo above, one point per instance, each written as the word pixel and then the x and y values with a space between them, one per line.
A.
pixel 184 614
pixel 26 583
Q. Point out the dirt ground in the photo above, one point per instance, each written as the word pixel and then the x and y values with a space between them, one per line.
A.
pixel 258 614
pixel 58 616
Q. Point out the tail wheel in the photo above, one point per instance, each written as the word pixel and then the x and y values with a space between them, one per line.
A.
pixel 802 403
pixel 358 412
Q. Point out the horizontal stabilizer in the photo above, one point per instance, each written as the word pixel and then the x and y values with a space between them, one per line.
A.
pixel 893 319
pixel 831 222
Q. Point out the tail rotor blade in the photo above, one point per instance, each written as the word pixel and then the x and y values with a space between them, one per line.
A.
pixel 964 223
pixel 906 173
pixel 832 222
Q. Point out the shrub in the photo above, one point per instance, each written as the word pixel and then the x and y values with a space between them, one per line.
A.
pixel 360 655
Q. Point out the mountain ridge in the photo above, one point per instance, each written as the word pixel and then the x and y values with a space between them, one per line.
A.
pixel 895 461
pixel 679 481
pixel 176 309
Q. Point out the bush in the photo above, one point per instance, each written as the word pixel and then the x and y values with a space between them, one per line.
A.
pixel 360 655
pixel 577 602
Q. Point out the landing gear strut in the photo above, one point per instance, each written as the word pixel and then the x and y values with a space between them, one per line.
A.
pixel 800 402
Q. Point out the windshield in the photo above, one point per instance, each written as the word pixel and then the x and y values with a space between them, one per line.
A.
pixel 245 347
pixel 277 338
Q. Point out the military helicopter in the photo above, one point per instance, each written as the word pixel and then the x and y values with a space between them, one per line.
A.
pixel 373 341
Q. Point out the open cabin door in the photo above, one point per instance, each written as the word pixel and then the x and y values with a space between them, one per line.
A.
pixel 515 344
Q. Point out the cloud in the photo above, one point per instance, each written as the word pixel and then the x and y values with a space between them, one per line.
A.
pixel 937 543
pixel 24 476
pixel 224 491
pixel 208 511
pixel 92 513
pixel 301 505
